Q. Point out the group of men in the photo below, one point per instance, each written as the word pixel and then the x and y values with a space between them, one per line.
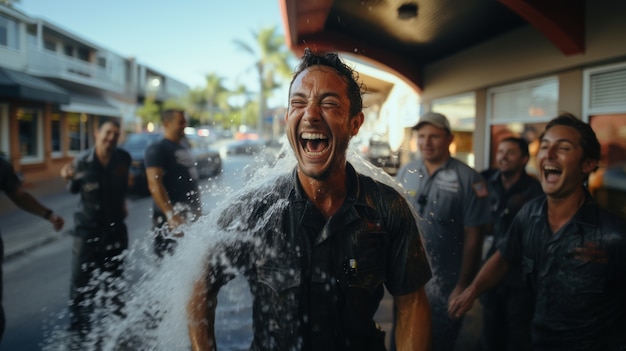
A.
pixel 100 175
pixel 323 241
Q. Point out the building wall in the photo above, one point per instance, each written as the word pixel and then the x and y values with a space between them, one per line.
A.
pixel 526 53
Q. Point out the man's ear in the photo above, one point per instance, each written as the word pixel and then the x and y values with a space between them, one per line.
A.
pixel 589 165
pixel 356 123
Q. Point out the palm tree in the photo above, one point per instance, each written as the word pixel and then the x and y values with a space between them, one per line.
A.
pixel 272 59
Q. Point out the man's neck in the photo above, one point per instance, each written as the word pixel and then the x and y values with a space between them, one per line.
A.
pixel 173 137
pixel 508 179
pixel 328 194
pixel 561 210
pixel 103 155
pixel 432 166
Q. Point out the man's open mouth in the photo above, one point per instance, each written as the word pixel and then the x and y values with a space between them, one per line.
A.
pixel 551 173
pixel 314 144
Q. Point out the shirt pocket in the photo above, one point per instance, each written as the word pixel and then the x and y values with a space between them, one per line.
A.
pixel 365 268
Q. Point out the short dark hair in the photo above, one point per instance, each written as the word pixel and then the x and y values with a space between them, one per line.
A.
pixel 168 114
pixel 114 122
pixel 588 140
pixel 332 60
pixel 521 143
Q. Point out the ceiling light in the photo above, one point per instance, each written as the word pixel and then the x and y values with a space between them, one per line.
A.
pixel 407 11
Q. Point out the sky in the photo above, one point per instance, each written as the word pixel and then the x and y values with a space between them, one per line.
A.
pixel 184 39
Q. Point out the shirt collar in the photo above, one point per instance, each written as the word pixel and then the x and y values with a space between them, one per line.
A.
pixel 586 214
pixel 352 185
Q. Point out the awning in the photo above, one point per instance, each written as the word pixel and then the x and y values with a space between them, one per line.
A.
pixel 90 104
pixel 20 85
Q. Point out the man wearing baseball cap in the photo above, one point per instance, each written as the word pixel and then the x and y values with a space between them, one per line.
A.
pixel 453 208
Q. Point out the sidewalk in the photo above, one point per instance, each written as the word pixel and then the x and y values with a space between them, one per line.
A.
pixel 22 231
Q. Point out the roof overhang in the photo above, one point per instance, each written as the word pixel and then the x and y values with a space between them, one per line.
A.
pixel 23 86
pixel 376 31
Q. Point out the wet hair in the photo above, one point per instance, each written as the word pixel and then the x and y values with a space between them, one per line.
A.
pixel 332 60
pixel 588 140
pixel 168 114
pixel 521 143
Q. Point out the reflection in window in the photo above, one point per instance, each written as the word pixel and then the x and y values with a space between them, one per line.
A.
pixel 461 113
pixel 28 127
pixel 522 110
pixel 55 128
pixel 608 183
pixel 77 132
pixel 9 34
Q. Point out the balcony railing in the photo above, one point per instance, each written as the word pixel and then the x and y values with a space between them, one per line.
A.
pixel 55 65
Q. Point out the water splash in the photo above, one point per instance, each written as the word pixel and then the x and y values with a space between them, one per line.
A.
pixel 156 299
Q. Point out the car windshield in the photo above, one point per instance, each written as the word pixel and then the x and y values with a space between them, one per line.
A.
pixel 140 141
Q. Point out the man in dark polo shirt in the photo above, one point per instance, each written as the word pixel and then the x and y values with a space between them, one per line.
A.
pixel 508 308
pixel 572 252
pixel 100 175
pixel 172 180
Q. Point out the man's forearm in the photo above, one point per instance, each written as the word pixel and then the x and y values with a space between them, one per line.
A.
pixel 413 328
pixel 27 202
pixel 472 253
pixel 201 317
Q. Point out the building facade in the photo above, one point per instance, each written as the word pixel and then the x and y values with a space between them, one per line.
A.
pixel 56 87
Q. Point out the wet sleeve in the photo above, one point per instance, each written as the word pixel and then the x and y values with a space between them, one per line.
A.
pixel 510 245
pixel 476 209
pixel 9 182
pixel 407 264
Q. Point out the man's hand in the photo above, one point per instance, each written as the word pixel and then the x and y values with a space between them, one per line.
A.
pixel 173 223
pixel 459 305
pixel 67 171
pixel 57 222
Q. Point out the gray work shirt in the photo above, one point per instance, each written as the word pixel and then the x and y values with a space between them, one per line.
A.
pixel 454 197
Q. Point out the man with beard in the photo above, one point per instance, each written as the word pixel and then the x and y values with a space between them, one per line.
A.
pixel 324 240
pixel 507 309
pixel 572 252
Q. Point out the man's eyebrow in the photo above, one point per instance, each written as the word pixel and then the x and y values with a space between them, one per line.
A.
pixel 544 140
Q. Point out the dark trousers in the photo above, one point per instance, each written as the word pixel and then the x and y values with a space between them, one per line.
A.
pixel 507 315
pixel 97 264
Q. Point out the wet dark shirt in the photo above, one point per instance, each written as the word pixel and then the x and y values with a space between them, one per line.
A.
pixel 505 203
pixel 102 189
pixel 317 283
pixel 9 183
pixel 578 275
pixel 180 177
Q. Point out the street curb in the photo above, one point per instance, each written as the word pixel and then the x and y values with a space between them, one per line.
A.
pixel 35 244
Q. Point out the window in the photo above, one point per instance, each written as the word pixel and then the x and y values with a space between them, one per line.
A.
pixel 69 50
pixel 55 128
pixel 461 113
pixel 77 132
pixel 30 135
pixel 4 129
pixel 9 33
pixel 49 44
pixel 521 110
pixel 83 54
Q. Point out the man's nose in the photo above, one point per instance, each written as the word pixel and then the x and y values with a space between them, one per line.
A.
pixel 312 112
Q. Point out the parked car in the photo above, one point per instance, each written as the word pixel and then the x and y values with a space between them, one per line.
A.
pixel 380 154
pixel 243 147
pixel 208 161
